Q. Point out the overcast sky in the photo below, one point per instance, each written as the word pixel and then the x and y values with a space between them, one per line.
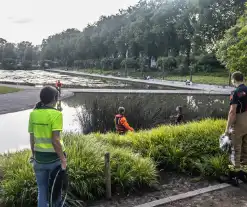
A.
pixel 33 20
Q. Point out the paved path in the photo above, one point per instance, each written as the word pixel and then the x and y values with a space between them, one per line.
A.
pixel 177 84
pixel 135 91
pixel 22 100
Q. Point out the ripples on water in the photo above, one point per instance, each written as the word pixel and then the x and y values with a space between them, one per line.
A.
pixel 40 77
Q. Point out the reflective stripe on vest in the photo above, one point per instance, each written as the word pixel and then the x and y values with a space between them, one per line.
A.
pixel 119 127
pixel 45 145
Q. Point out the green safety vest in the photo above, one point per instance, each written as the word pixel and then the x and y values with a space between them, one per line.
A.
pixel 42 122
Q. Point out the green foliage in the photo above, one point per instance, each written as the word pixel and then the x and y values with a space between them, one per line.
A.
pixel 167 63
pixel 130 63
pixel 4 89
pixel 182 148
pixel 231 50
pixel 86 171
pixel 27 64
pixel 191 148
pixel 206 63
pixel 9 64
pixel 151 28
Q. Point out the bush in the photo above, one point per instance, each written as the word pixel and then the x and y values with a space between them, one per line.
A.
pixel 9 64
pixel 181 148
pixel 167 63
pixel 27 64
pixel 131 63
pixel 99 113
pixel 206 63
pixel 86 171
pixel 191 148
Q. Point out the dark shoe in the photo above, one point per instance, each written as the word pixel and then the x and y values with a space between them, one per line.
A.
pixel 242 176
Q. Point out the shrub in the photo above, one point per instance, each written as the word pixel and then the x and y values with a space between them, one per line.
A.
pixel 27 64
pixel 181 148
pixel 99 113
pixel 191 148
pixel 167 63
pixel 206 63
pixel 9 64
pixel 131 63
pixel 86 171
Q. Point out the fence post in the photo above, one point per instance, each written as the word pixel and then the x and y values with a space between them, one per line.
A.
pixel 108 175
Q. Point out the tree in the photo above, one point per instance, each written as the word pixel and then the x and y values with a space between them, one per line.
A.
pixel 231 50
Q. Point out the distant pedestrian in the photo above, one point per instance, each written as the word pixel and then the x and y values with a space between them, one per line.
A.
pixel 59 86
pixel 187 82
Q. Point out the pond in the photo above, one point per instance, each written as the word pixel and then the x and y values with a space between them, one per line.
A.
pixel 41 77
pixel 95 112
pixel 144 111
pixel 14 126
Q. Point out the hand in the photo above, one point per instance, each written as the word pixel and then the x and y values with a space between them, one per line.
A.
pixel 64 164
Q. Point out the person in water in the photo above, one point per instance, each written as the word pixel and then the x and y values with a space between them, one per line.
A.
pixel 121 123
pixel 47 147
pixel 59 86
pixel 179 118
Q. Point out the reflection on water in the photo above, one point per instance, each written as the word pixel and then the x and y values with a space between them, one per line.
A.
pixel 145 111
pixel 40 78
pixel 14 126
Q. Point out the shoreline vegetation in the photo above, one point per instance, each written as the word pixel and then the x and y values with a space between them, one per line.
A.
pixel 220 78
pixel 6 89
pixel 136 159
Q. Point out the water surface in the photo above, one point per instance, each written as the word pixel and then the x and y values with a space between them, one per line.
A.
pixel 14 128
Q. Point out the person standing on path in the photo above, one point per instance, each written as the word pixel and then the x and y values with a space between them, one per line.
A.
pixel 47 147
pixel 121 123
pixel 237 123
pixel 59 86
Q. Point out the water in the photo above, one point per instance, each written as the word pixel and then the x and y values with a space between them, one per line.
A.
pixel 143 111
pixel 14 128
pixel 40 78
pixel 146 111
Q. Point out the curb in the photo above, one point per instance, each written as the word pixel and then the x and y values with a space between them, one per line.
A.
pixel 184 195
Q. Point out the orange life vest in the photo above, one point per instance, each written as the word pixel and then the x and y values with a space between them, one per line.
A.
pixel 119 127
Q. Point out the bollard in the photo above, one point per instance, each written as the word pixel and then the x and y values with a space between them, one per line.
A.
pixel 108 175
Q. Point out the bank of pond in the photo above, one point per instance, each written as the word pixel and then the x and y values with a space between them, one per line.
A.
pixel 135 160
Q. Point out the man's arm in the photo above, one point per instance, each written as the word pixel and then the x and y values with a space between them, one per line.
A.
pixel 57 145
pixel 124 122
pixel 57 127
pixel 30 130
pixel 231 117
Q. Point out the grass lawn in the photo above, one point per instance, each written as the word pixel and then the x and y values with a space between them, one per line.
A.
pixel 5 89
pixel 209 78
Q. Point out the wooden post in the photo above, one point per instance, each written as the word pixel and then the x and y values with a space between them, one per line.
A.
pixel 108 175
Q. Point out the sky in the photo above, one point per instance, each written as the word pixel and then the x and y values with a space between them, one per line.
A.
pixel 34 20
